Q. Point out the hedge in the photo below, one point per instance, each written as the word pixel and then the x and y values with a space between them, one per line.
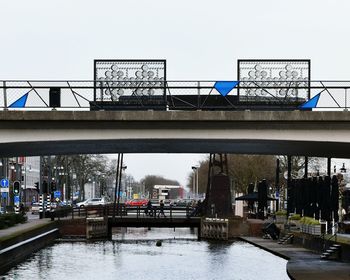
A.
pixel 10 219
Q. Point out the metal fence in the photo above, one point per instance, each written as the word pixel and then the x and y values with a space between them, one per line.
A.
pixel 170 95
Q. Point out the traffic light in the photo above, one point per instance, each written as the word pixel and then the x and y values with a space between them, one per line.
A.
pixel 16 186
pixel 36 185
pixel 53 186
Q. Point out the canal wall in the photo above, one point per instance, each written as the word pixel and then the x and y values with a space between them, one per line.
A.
pixel 315 243
pixel 223 229
pixel 72 228
pixel 17 246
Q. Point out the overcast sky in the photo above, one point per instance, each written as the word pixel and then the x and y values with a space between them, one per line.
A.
pixel 201 40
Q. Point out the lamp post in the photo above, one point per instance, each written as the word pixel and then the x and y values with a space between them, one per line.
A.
pixel 121 176
pixel 195 180
pixel 343 169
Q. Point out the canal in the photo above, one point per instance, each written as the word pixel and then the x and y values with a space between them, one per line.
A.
pixel 133 254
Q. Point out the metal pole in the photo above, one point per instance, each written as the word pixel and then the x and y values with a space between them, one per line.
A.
pixel 199 96
pixel 194 183
pixel 115 189
pixel 40 184
pixel 277 183
pixel 120 176
pixel 329 166
pixel 197 182
pixel 306 167
pixel 25 181
pixel 5 95
pixel 289 179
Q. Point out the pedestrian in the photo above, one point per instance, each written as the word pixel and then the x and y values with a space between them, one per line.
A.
pixel 148 210
pixel 161 209
pixel 21 209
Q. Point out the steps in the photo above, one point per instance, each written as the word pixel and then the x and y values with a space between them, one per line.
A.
pixel 288 238
pixel 332 253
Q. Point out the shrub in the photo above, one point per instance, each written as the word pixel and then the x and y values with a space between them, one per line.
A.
pixel 309 221
pixel 10 219
pixel 295 217
pixel 281 213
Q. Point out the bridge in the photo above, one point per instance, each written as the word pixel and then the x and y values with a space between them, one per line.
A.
pixel 307 133
pixel 123 216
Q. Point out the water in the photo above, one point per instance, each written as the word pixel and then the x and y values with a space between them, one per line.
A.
pixel 133 254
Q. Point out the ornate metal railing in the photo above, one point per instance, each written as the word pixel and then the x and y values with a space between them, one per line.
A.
pixel 173 95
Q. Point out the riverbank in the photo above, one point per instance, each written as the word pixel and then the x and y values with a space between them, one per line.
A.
pixel 20 241
pixel 303 264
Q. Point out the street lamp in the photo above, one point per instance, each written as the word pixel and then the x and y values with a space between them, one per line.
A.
pixel 343 169
pixel 124 167
pixel 195 180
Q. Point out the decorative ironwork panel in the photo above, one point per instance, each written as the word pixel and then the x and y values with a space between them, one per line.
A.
pixel 126 80
pixel 274 80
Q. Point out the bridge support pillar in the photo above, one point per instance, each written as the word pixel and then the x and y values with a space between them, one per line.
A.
pixel 96 227
pixel 218 202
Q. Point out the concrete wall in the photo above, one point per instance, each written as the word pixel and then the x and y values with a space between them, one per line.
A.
pixel 72 228
pixel 25 245
pixel 316 244
pixel 324 134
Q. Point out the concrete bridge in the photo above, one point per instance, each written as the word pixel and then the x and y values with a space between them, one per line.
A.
pixel 324 134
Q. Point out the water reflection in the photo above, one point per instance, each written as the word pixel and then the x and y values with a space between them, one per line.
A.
pixel 132 254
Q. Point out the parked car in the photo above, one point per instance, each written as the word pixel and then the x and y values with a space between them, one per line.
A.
pixel 184 202
pixel 137 202
pixel 35 208
pixel 92 202
pixel 155 202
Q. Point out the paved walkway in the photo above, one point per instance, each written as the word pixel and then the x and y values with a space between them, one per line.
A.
pixel 23 227
pixel 303 264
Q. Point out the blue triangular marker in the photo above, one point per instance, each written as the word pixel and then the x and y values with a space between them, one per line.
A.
pixel 224 87
pixel 21 102
pixel 312 103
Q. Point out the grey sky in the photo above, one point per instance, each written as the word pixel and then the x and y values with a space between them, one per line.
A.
pixel 43 39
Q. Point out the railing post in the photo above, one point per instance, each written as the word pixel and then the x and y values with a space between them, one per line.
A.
pixel 171 212
pixel 199 95
pixel 5 95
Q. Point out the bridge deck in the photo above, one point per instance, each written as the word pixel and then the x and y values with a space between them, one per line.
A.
pixel 154 222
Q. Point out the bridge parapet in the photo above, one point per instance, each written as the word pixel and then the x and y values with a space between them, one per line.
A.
pixel 213 228
pixel 96 227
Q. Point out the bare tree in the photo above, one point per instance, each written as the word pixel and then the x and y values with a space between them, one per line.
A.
pixel 243 169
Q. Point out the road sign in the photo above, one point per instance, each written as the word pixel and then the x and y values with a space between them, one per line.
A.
pixel 57 199
pixel 57 194
pixel 4 194
pixel 5 190
pixel 4 183
pixel 16 199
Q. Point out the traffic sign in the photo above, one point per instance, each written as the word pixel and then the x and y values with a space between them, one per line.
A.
pixel 4 194
pixel 5 190
pixel 16 199
pixel 57 194
pixel 57 199
pixel 4 183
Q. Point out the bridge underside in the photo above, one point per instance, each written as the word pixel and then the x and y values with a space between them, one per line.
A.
pixel 322 134
pixel 240 146
pixel 151 222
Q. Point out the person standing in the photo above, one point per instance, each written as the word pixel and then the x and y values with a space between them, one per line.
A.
pixel 149 208
pixel 161 209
